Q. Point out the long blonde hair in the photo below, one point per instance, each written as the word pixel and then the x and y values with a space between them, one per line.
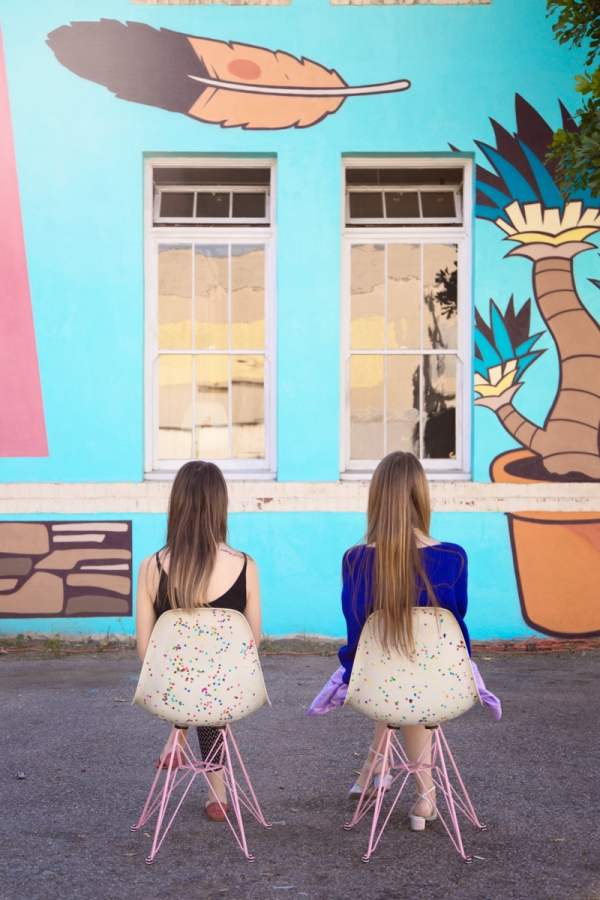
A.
pixel 398 504
pixel 197 524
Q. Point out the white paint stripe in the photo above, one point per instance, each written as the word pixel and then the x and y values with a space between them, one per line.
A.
pixel 77 538
pixel 39 499
pixel 121 567
pixel 92 526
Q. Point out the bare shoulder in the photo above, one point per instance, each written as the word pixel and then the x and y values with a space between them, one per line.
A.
pixel 231 552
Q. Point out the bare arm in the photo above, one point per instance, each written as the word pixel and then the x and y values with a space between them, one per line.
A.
pixel 145 617
pixel 253 611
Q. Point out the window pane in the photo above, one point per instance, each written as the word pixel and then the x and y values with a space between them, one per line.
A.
pixel 211 276
pixel 367 296
pixel 366 407
pixel 175 297
pixel 247 297
pixel 439 407
pixel 404 296
pixel 212 206
pixel 175 407
pixel 402 403
pixel 440 289
pixel 212 407
pixel 249 206
pixel 438 204
pixel 176 205
pixel 248 407
pixel 366 206
pixel 402 205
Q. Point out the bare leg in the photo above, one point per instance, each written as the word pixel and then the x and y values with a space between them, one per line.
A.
pixel 380 730
pixel 417 743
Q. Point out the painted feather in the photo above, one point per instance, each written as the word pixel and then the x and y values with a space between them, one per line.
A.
pixel 227 84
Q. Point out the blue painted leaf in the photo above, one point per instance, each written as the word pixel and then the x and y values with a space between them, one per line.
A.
pixel 501 336
pixel 526 346
pixel 550 194
pixel 490 212
pixel 525 361
pixel 488 351
pixel 519 187
pixel 499 197
pixel 480 367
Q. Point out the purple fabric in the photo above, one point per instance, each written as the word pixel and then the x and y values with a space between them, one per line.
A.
pixel 334 694
pixel 487 698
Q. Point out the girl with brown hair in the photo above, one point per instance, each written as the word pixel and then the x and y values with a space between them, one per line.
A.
pixel 398 567
pixel 196 568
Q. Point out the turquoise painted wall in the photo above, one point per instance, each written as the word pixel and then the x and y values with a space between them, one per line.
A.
pixel 80 161
pixel 79 153
pixel 299 557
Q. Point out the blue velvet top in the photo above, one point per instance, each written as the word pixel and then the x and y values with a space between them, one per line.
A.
pixel 446 567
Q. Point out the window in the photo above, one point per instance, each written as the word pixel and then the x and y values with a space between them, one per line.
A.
pixel 407 313
pixel 210 317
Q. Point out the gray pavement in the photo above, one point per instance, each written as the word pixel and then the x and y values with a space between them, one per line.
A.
pixel 65 829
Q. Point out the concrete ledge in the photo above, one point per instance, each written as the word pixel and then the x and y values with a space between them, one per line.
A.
pixel 255 496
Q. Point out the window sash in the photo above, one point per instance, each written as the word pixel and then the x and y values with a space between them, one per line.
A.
pixel 384 220
pixel 210 189
pixel 442 468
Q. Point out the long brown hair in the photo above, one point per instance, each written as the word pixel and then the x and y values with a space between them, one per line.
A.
pixel 197 524
pixel 398 504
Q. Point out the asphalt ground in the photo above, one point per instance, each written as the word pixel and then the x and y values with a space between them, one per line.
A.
pixel 89 759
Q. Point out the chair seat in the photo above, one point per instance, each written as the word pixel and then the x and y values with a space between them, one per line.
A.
pixel 201 668
pixel 435 683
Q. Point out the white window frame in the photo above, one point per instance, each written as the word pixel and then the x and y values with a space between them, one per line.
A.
pixel 458 469
pixel 233 469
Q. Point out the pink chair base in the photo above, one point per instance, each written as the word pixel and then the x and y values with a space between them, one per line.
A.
pixel 241 792
pixel 395 761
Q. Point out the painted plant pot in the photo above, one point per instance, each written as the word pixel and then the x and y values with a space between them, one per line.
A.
pixel 557 563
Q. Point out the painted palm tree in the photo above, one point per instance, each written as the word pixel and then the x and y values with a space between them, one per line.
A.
pixel 522 198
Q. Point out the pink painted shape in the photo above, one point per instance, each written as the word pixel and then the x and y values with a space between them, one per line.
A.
pixel 22 426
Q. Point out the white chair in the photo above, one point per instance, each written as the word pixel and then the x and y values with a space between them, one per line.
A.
pixel 435 683
pixel 201 668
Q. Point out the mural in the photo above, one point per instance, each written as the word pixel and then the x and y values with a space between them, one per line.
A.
pixel 223 83
pixel 22 426
pixel 65 569
pixel 556 555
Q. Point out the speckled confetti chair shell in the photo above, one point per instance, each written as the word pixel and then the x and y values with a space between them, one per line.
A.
pixel 435 683
pixel 201 668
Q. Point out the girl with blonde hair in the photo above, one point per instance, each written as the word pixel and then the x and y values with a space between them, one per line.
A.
pixel 196 567
pixel 399 566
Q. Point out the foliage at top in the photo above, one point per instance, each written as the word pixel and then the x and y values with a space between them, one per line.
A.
pixel 576 146
pixel 578 21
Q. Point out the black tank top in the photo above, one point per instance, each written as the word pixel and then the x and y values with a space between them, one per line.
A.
pixel 234 598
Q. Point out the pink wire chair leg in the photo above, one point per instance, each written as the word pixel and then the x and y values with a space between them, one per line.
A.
pixel 463 802
pixel 395 759
pixel 220 762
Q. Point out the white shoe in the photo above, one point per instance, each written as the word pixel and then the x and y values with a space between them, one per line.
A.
pixel 372 787
pixel 417 823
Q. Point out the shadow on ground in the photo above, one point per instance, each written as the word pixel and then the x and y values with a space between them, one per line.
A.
pixel 89 759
